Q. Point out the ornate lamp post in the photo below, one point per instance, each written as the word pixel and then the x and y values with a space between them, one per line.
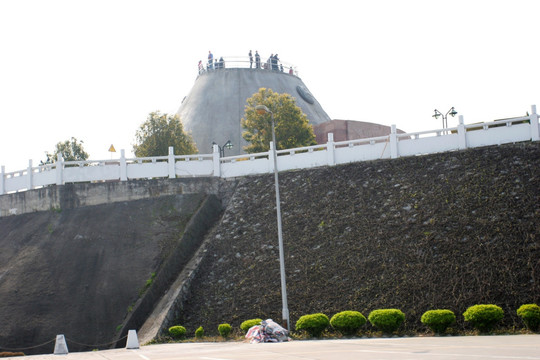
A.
pixel 452 112
pixel 261 110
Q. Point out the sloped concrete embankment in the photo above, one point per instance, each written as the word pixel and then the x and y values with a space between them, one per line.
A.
pixel 171 279
pixel 80 271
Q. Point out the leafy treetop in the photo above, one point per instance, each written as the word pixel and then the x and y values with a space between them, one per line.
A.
pixel 291 124
pixel 71 150
pixel 160 131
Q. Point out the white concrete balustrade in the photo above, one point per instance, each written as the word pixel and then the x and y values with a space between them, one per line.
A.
pixel 393 145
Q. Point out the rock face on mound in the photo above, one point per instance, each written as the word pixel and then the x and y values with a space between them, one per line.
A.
pixel 215 105
pixel 79 271
pixel 447 230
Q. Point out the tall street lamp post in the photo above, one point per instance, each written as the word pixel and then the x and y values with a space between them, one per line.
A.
pixel 261 110
pixel 452 112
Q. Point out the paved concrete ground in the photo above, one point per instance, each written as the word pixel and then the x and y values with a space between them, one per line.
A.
pixel 513 347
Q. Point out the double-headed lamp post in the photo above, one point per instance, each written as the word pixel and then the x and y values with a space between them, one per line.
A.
pixel 227 145
pixel 261 110
pixel 452 112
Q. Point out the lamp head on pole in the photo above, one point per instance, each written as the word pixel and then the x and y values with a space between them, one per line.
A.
pixel 453 112
pixel 437 114
pixel 262 109
pixel 228 145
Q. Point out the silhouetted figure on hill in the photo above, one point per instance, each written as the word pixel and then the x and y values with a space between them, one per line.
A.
pixel 210 60
pixel 257 60
pixel 250 59
pixel 201 68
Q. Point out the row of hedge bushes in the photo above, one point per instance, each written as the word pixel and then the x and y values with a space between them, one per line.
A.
pixel 482 317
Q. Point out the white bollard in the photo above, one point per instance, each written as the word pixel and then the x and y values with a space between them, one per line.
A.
pixel 60 347
pixel 132 340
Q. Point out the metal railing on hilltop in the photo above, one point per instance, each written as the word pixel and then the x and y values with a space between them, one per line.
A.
pixel 244 62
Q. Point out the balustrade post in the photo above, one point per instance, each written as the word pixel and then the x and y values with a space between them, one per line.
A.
pixel 533 118
pixel 29 175
pixel 60 170
pixel 123 165
pixel 271 157
pixel 462 134
pixel 172 169
pixel 216 160
pixel 330 151
pixel 393 142
pixel 2 180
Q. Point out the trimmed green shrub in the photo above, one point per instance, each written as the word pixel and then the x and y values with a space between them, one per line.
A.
pixel 224 330
pixel 530 315
pixel 348 322
pixel 199 333
pixel 177 332
pixel 313 324
pixel 438 320
pixel 484 316
pixel 246 325
pixel 386 320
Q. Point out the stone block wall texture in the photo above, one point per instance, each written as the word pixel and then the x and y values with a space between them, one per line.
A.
pixel 447 230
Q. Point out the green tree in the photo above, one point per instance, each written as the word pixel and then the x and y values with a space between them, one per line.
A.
pixel 291 124
pixel 71 150
pixel 160 131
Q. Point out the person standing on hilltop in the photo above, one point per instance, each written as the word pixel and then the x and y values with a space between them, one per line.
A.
pixel 201 70
pixel 257 60
pixel 250 59
pixel 210 60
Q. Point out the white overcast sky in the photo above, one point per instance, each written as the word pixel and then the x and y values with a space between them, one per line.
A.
pixel 95 69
